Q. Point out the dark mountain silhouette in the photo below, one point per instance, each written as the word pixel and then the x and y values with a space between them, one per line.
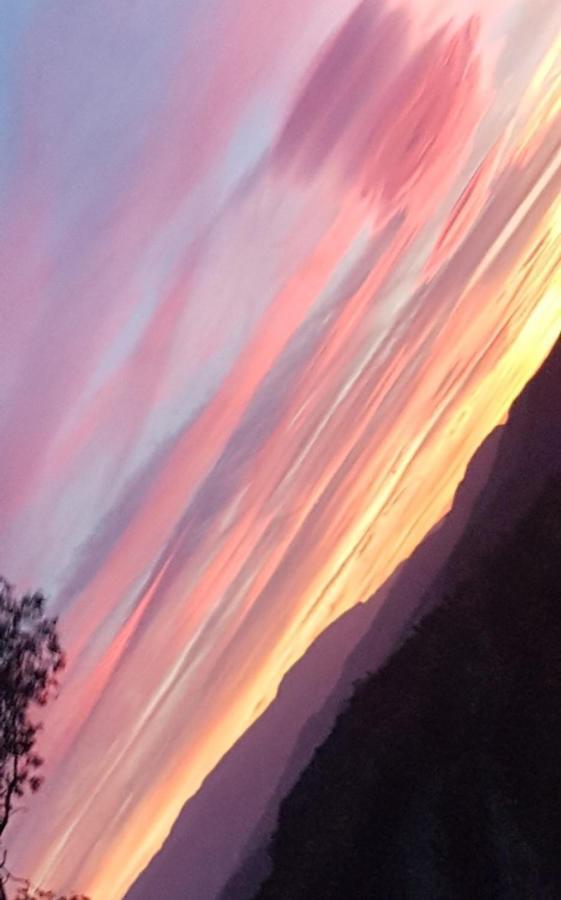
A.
pixel 528 456
pixel 441 777
pixel 403 601
pixel 224 829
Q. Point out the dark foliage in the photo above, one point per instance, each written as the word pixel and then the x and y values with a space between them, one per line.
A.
pixel 31 660
pixel 29 893
pixel 442 777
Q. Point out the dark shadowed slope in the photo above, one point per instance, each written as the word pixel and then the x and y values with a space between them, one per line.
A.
pixel 406 596
pixel 441 778
pixel 229 821
pixel 529 454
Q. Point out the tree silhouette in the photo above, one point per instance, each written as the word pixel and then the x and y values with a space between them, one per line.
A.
pixel 31 660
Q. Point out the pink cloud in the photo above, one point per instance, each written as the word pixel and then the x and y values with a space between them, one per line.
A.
pixel 465 211
pixel 345 83
pixel 397 125
pixel 414 147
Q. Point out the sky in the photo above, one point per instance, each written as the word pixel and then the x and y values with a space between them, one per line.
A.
pixel 270 272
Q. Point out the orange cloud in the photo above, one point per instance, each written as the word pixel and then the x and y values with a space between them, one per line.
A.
pixel 368 476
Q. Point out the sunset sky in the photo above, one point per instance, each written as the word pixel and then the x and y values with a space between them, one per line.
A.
pixel 270 272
